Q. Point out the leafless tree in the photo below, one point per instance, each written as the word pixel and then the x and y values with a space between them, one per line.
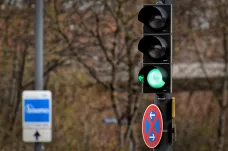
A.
pixel 216 16
pixel 101 36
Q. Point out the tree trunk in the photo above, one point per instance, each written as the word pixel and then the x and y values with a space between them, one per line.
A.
pixel 221 129
pixel 222 116
pixel 121 135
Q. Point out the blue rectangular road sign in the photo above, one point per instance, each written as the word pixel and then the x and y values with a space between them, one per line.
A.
pixel 37 116
pixel 36 110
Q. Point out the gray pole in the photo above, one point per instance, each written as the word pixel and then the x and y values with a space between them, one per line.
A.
pixel 39 56
pixel 39 46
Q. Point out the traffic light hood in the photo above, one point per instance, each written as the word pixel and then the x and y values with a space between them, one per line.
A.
pixel 154 16
pixel 154 46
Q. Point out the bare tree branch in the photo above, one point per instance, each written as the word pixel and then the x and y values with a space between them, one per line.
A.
pixel 20 83
pixel 204 70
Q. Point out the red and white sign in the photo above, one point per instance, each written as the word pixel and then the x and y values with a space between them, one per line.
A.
pixel 152 126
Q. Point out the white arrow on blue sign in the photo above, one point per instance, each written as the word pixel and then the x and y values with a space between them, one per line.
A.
pixel 152 115
pixel 152 137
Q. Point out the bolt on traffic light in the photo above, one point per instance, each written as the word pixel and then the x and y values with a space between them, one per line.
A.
pixel 156 46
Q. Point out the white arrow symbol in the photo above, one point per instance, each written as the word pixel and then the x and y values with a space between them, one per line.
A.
pixel 153 137
pixel 151 115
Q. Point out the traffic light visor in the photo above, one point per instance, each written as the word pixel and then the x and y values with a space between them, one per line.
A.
pixel 155 78
pixel 155 46
pixel 156 17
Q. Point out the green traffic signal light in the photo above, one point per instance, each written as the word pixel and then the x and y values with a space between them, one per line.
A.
pixel 155 79
pixel 141 78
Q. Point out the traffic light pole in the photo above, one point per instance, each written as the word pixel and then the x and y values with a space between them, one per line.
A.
pixel 39 56
pixel 164 101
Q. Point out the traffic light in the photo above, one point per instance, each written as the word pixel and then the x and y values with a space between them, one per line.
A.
pixel 156 46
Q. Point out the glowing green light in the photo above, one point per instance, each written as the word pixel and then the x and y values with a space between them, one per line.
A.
pixel 141 78
pixel 154 79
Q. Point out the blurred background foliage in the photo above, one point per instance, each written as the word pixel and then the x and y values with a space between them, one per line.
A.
pixel 88 44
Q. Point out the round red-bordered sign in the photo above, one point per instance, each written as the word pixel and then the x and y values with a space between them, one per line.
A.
pixel 152 126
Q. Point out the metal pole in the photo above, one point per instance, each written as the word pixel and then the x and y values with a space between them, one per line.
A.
pixel 39 56
pixel 162 100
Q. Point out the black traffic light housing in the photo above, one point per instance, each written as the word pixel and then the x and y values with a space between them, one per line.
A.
pixel 156 46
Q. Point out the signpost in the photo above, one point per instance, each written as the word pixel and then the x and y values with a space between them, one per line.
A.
pixel 39 57
pixel 152 126
pixel 37 116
